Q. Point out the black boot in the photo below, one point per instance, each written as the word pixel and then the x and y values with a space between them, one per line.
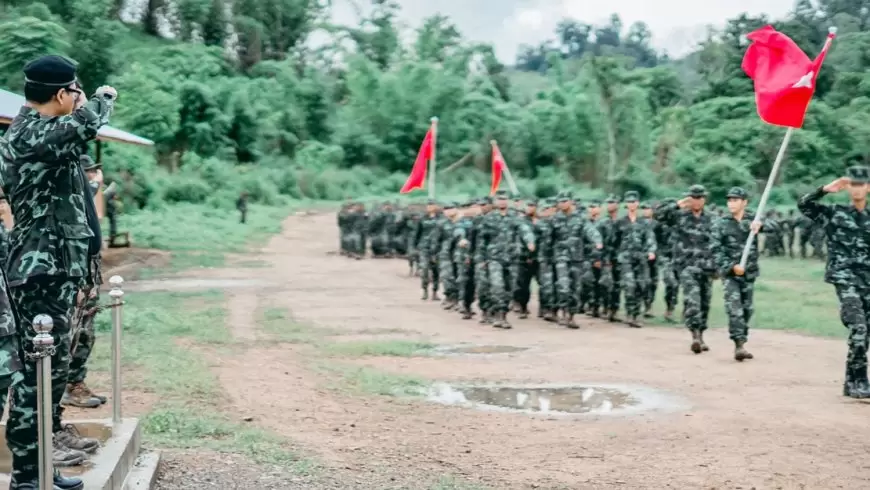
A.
pixel 696 341
pixel 856 385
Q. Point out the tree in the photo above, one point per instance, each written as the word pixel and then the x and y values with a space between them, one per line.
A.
pixel 23 40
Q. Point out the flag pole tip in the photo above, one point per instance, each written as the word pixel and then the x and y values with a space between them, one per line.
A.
pixel 492 142
pixel 434 119
pixel 832 30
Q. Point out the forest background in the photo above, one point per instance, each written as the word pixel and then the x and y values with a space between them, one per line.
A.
pixel 236 99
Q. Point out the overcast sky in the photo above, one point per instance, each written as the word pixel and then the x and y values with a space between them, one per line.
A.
pixel 677 25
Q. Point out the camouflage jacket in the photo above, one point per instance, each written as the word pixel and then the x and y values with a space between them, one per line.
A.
pixel 632 240
pixel 729 238
pixel 357 222
pixel 663 236
pixel 447 238
pixel 571 235
pixel 380 222
pixel 848 233
pixel 691 236
pixel 463 232
pixel 544 239
pixel 41 177
pixel 499 235
pixel 478 250
pixel 606 227
pixel 427 234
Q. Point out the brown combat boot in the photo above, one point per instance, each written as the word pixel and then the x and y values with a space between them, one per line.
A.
pixel 740 352
pixel 64 457
pixel 569 321
pixel 466 313
pixel 69 437
pixel 704 347
pixel 524 313
pixel 696 342
pixel 79 395
pixel 505 324
pixel 596 312
pixel 550 316
pixel 634 322
pixel 611 316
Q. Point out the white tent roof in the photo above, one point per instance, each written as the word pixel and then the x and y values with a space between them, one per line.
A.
pixel 11 103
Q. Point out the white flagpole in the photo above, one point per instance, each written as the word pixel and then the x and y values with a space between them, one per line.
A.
pixel 507 171
pixel 780 155
pixel 432 162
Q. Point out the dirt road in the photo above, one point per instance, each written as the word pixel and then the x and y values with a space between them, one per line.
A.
pixel 775 422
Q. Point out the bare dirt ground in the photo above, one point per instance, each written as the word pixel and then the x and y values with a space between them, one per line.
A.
pixel 777 422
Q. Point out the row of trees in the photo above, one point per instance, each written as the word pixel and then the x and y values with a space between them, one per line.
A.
pixel 218 84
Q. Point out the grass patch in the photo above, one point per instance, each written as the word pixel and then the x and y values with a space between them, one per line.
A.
pixel 393 348
pixel 370 381
pixel 790 295
pixel 159 328
pixel 280 325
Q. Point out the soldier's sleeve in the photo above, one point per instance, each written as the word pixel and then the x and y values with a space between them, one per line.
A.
pixel 810 206
pixel 666 212
pixel 650 240
pixel 527 234
pixel 594 237
pixel 82 125
pixel 720 251
pixel 614 241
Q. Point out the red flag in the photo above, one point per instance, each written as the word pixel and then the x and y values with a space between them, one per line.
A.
pixel 417 179
pixel 498 164
pixel 785 77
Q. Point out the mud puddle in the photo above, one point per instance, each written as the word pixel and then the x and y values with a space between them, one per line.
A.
pixel 566 400
pixel 182 284
pixel 480 349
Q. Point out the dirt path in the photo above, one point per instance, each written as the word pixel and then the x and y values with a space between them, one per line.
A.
pixel 776 422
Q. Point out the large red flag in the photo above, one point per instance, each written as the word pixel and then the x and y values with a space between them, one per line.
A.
pixel 417 179
pixel 498 164
pixel 785 77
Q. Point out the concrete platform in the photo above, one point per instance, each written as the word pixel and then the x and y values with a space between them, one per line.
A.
pixel 106 470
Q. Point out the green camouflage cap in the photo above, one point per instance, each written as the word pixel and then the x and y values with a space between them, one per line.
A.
pixel 858 174
pixel 697 190
pixel 485 200
pixel 645 205
pixel 532 202
pixel 502 195
pixel 737 192
pixel 549 203
pixel 431 202
pixel 448 205
pixel 595 203
pixel 612 199
pixel 631 196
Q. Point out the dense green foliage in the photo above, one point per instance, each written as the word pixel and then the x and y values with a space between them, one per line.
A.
pixel 237 99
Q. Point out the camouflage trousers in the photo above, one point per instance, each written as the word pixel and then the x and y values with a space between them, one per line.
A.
pixel 591 293
pixel 447 275
pixel 817 240
pixel 789 244
pixel 500 286
pixel 855 315
pixel 429 271
pixel 546 286
pixel 738 306
pixel 356 243
pixel 697 288
pixel 568 285
pixel 398 244
pixel 54 297
pixel 672 282
pixel 481 286
pixel 380 244
pixel 634 282
pixel 528 269
pixel 84 344
pixel 653 284
pixel 464 281
pixel 803 241
pixel 413 255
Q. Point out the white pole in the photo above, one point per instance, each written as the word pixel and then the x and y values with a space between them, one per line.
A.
pixel 763 202
pixel 432 162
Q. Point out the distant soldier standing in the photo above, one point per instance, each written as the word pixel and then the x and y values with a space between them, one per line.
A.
pixel 634 245
pixel 427 233
pixel 665 264
pixel 528 264
pixel 481 272
pixel 788 225
pixel 546 271
pixel 446 249
pixel 730 234
pixel 242 206
pixel 595 289
pixel 693 259
pixel 610 274
pixel 848 268
pixel 464 237
pixel 652 264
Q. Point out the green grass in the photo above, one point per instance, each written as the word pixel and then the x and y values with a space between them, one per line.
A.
pixel 280 325
pixel 790 295
pixel 159 329
pixel 364 380
pixel 392 348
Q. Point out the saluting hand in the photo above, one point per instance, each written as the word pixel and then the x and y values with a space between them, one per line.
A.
pixel 837 185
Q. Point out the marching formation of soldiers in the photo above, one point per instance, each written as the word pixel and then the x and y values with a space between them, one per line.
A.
pixel 584 258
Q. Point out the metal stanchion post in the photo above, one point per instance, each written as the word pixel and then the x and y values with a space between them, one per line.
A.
pixel 43 345
pixel 117 295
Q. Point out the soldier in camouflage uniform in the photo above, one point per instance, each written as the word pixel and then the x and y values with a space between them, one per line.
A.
pixel 665 262
pixel 610 275
pixel 804 227
pixel 646 211
pixel 848 268
pixel 77 393
pixel 413 225
pixel 817 239
pixel 546 267
pixel 692 258
pixel 343 219
pixel 571 233
pixel 4 233
pixel 464 238
pixel 595 290
pixel 446 249
pixel 788 227
pixel 528 263
pixel 499 233
pixel 481 272
pixel 398 232
pixel 634 244
pixel 378 228
pixel 428 247
pixel 773 235
pixel 730 234
pixel 57 231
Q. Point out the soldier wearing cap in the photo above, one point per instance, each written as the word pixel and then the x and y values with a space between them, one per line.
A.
pixel 500 231
pixel 415 215
pixel 478 257
pixel 847 227
pixel 379 225
pixel 634 245
pixel 693 260
pixel 357 233
pixel 594 292
pixel 730 234
pixel 646 212
pixel 528 264
pixel 665 263
pixel 49 253
pixel 463 235
pixel 428 246
pixel 610 275
pixel 546 267
pixel 446 249
pixel 571 234
pixel 343 220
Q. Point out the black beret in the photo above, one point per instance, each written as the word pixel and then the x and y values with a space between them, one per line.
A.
pixel 51 70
